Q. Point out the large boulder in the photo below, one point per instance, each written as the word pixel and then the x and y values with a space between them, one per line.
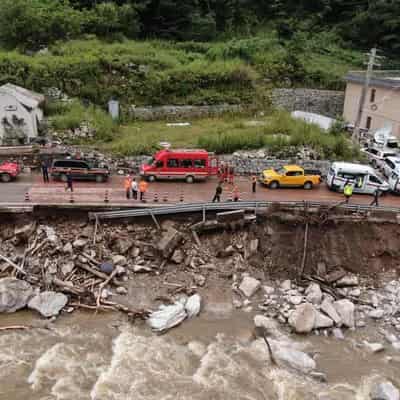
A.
pixel 14 294
pixel 322 321
pixel 48 304
pixel 314 294
pixel 302 319
pixel 292 357
pixel 385 391
pixel 249 286
pixel 345 309
pixel 328 308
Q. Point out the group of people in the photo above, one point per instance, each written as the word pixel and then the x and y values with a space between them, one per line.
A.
pixel 133 188
pixel 348 192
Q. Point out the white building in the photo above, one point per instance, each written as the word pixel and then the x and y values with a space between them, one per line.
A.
pixel 20 114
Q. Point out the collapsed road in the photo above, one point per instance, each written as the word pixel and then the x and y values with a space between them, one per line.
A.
pixel 333 274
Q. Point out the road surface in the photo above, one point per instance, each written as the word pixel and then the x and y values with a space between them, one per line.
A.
pixel 164 192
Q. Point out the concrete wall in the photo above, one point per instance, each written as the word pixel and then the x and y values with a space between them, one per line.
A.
pixel 180 113
pixel 9 106
pixel 325 102
pixel 384 109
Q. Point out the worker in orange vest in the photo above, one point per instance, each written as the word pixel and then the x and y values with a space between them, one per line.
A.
pixel 128 185
pixel 235 193
pixel 143 185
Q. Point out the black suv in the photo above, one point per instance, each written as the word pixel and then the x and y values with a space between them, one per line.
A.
pixel 80 170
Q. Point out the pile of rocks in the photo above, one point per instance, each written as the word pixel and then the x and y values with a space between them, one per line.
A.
pixel 314 307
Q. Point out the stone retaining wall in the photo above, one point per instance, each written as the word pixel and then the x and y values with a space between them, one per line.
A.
pixel 326 102
pixel 180 112
pixel 247 166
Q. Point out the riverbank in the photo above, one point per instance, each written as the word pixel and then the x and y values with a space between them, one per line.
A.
pixel 247 275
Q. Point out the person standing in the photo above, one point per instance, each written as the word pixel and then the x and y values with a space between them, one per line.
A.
pixel 231 174
pixel 218 192
pixel 375 202
pixel 348 190
pixel 253 183
pixel 69 181
pixel 134 189
pixel 45 171
pixel 128 186
pixel 235 193
pixel 143 185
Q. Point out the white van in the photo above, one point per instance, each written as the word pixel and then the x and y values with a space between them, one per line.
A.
pixel 364 178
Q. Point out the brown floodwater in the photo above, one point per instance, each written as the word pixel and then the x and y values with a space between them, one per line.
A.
pixel 84 355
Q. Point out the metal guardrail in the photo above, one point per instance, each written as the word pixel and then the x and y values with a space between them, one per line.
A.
pixel 198 207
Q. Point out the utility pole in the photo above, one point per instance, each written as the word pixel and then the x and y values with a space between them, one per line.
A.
pixel 371 63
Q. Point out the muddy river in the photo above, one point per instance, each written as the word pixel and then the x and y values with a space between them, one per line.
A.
pixel 104 357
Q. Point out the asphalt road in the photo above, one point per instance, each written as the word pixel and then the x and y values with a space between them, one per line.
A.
pixel 91 192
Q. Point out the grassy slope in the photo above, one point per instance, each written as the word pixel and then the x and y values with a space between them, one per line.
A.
pixel 159 72
pixel 230 133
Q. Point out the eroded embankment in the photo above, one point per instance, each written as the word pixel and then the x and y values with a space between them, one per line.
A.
pixel 347 295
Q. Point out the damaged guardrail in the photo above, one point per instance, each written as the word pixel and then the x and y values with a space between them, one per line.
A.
pixel 254 205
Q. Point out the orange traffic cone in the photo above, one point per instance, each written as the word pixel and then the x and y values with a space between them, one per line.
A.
pixel 165 198
pixel 181 198
pixel 106 197
pixel 71 198
pixel 155 200
pixel 27 198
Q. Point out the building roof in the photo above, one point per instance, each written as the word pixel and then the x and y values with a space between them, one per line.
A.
pixel 386 79
pixel 24 96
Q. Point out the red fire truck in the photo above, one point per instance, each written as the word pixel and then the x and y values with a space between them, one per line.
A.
pixel 190 165
pixel 9 171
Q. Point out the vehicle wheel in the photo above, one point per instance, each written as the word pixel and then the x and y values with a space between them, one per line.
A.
pixel 308 185
pixel 63 178
pixel 5 177
pixel 274 185
pixel 99 178
pixel 189 179
pixel 151 178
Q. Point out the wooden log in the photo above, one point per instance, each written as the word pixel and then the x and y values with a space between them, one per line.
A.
pixel 12 264
pixel 13 327
pixel 69 288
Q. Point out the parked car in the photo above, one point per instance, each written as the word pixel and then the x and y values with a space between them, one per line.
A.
pixel 289 176
pixel 189 165
pixel 390 164
pixel 364 178
pixel 80 170
pixel 9 171
pixel 377 156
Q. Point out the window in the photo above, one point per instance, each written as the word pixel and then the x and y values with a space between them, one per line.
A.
pixel 159 164
pixel 390 164
pixel 200 163
pixel 374 179
pixel 372 96
pixel 173 163
pixel 293 173
pixel 346 175
pixel 187 163
pixel 368 123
